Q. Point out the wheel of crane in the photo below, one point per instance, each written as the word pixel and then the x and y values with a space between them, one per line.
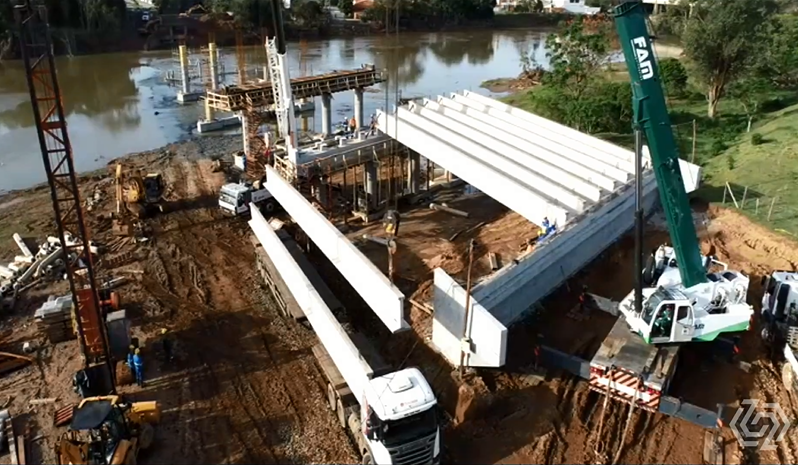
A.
pixel 341 412
pixel 146 436
pixel 332 397
pixel 787 376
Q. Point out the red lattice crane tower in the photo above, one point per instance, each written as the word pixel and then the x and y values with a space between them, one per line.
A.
pixel 48 112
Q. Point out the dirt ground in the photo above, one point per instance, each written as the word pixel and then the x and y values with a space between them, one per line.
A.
pixel 529 419
pixel 245 387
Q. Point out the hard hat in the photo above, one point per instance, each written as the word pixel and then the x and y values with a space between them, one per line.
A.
pixel 137 351
pixel 132 347
pixel 163 330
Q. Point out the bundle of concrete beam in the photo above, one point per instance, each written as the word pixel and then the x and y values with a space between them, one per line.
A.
pixel 54 319
pixel 543 171
pixel 29 268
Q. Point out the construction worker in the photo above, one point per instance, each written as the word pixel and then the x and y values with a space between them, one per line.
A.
pixel 373 125
pixel 352 125
pixel 130 351
pixel 138 367
pixel 167 346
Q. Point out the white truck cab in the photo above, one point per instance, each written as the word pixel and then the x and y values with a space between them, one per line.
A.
pixel 780 317
pixel 400 421
pixel 236 197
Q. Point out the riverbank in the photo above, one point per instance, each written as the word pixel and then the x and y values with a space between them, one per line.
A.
pixel 750 171
pixel 200 147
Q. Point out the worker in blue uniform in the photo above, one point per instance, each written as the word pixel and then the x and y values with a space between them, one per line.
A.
pixel 138 367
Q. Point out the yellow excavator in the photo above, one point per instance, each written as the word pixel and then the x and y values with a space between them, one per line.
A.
pixel 108 430
pixel 140 195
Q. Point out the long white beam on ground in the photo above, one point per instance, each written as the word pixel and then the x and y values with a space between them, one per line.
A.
pixel 384 298
pixel 454 133
pixel 506 190
pixel 533 141
pixel 510 155
pixel 512 290
pixel 554 133
pixel 335 340
pixel 588 182
pixel 561 129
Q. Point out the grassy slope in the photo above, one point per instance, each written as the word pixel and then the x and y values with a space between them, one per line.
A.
pixel 769 169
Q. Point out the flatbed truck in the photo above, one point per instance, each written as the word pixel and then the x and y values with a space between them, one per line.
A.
pixel 392 416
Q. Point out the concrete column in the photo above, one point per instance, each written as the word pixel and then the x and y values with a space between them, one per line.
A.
pixel 413 171
pixel 304 121
pixel 212 65
pixel 326 114
pixel 181 49
pixel 359 107
pixel 245 133
pixel 370 179
pixel 208 111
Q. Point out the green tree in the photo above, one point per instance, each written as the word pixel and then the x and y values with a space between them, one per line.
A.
pixel 751 92
pixel 309 13
pixel 723 39
pixel 576 56
pixel 674 76
pixel 781 56
pixel 347 7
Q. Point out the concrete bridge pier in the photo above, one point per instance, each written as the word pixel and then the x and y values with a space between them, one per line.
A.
pixel 370 181
pixel 413 171
pixel 181 49
pixel 213 66
pixel 359 107
pixel 245 134
pixel 326 114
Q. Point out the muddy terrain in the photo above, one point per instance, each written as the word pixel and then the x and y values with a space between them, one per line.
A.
pixel 245 388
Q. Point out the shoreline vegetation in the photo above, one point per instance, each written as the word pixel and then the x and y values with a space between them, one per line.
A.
pixel 739 126
pixel 83 27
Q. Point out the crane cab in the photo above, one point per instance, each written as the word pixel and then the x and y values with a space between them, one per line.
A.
pixel 669 317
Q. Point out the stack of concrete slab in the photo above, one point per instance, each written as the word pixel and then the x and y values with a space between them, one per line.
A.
pixel 54 319
pixel 538 168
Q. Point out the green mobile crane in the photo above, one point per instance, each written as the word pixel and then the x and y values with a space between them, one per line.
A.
pixel 682 301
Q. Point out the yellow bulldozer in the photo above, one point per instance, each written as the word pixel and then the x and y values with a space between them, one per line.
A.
pixel 108 430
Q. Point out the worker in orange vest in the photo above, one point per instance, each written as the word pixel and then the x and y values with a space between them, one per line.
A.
pixel 352 124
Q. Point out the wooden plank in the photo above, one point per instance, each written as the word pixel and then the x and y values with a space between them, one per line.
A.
pixel 21 450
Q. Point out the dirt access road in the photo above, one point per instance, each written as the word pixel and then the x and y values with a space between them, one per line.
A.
pixel 244 388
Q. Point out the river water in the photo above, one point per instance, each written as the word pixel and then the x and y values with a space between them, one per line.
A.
pixel 121 103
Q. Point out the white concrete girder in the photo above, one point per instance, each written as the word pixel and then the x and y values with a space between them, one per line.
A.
pixel 384 298
pixel 511 126
pixel 507 153
pixel 507 190
pixel 561 129
pixel 333 337
pixel 453 133
pixel 531 155
pixel 565 139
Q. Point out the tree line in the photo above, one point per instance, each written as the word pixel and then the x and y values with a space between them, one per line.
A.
pixel 740 49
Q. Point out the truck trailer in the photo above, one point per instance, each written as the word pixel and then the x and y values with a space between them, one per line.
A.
pixel 392 416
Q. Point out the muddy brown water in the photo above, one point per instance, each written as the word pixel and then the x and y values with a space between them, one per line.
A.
pixel 120 103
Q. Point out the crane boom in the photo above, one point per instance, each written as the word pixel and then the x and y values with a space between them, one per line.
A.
pixel 56 150
pixel 651 115
pixel 281 81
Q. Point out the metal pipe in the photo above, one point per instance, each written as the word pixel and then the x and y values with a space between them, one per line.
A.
pixel 638 220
